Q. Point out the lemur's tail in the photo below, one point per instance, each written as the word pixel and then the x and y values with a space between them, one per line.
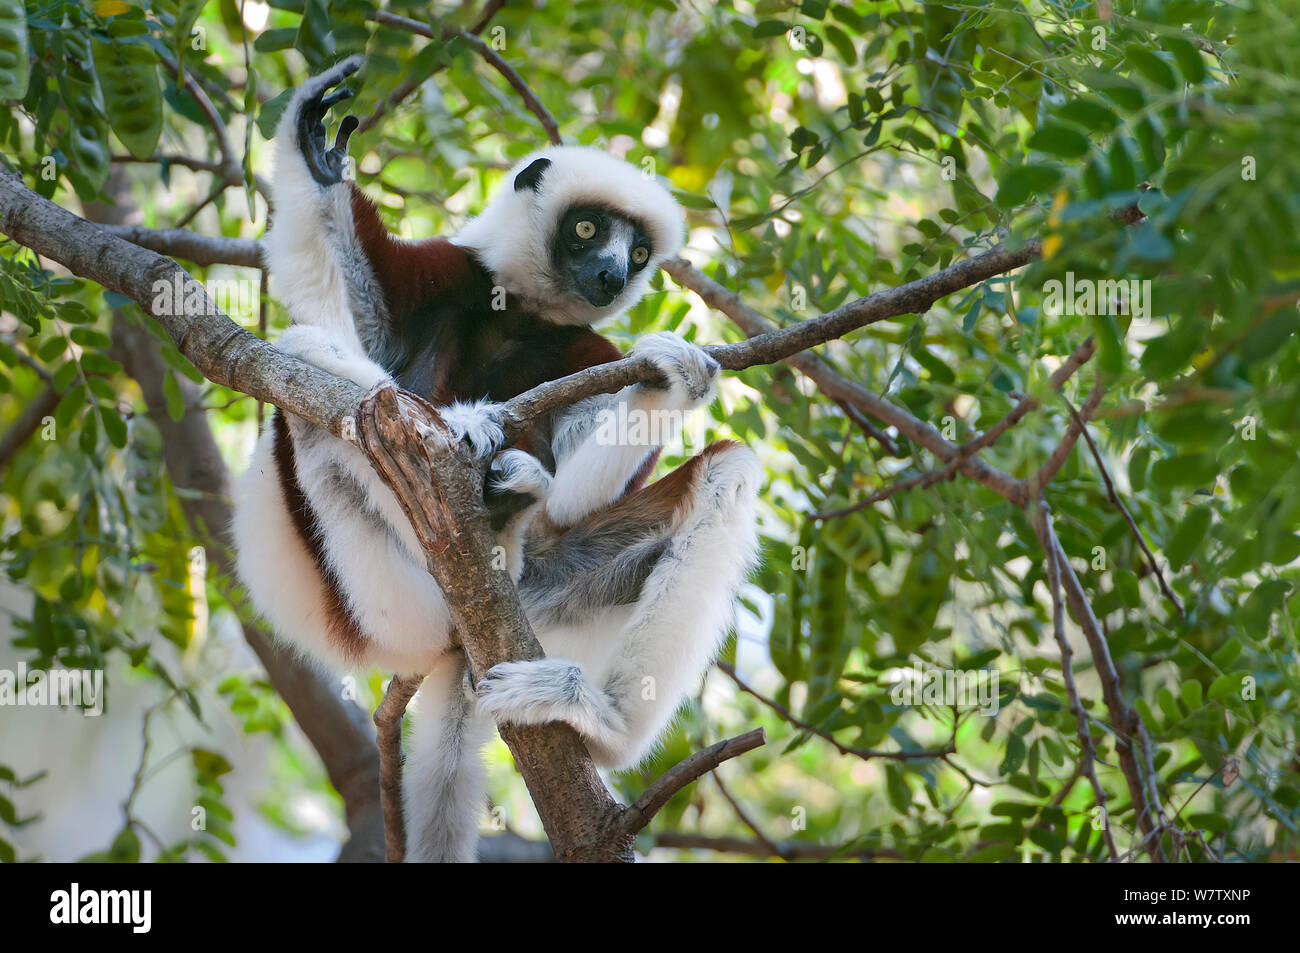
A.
pixel 443 788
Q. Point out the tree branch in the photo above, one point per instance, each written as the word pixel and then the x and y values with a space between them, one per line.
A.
pixel 388 723
pixel 638 815
pixel 790 718
pixel 1088 756
pixel 1128 517
pixel 221 350
pixel 471 39
pixel 1127 723
pixel 335 728
pixel 27 423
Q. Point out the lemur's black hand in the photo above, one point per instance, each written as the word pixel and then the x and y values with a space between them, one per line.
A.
pixel 326 165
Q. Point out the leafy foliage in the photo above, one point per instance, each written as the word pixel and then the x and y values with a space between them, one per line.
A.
pixel 824 151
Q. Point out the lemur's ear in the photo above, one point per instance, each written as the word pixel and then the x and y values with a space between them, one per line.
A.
pixel 531 177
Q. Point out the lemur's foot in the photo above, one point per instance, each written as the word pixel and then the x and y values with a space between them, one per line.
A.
pixel 550 689
pixel 326 165
pixel 515 482
pixel 687 368
pixel 478 424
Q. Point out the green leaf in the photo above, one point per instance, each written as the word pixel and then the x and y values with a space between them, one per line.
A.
pixel 900 796
pixel 281 38
pixel 1016 186
pixel 768 28
pixel 175 400
pixel 268 117
pixel 1215 823
pixel 1152 67
pixel 1269 336
pixel 1188 470
pixel 843 45
pixel 52 348
pixel 1226 687
pixel 1060 140
pixel 1092 114
pixel 1188 536
pixel 114 425
pixel 1188 56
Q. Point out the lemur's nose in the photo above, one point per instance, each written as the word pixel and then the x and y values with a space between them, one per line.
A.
pixel 612 282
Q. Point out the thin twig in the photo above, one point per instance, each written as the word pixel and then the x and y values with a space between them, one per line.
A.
pixel 1128 517
pixel 1024 405
pixel 218 125
pixel 1088 757
pixel 643 809
pixel 1126 723
pixel 790 718
pixel 211 197
pixel 743 815
pixel 1047 472
pixel 491 56
pixel 867 427
pixel 388 724
pixel 28 422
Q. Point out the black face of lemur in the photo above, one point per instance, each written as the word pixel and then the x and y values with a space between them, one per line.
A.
pixel 599 250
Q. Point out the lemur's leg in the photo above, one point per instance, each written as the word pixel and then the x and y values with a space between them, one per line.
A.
pixel 593 471
pixel 655 650
pixel 366 538
pixel 444 786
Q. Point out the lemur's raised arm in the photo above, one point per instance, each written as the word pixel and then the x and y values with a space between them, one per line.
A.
pixel 628 584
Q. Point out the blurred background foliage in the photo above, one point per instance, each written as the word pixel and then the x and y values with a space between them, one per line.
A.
pixel 824 150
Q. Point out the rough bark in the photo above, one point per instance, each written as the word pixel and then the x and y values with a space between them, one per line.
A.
pixel 442 495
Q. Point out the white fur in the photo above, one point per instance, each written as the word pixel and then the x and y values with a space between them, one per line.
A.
pixel 621 696
pixel 443 789
pixel 272 562
pixel 512 236
pixel 307 275
pixel 519 472
pixel 594 474
pixel 476 423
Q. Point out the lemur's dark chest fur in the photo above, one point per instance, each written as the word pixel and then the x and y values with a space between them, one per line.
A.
pixel 457 346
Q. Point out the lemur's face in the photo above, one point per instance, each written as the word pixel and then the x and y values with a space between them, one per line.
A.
pixel 600 251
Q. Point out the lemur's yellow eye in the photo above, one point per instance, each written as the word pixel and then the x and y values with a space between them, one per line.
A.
pixel 585 229
pixel 640 255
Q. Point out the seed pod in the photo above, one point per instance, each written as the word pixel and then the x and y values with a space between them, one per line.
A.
pixel 128 75
pixel 84 101
pixel 785 641
pixel 14 60
pixel 829 648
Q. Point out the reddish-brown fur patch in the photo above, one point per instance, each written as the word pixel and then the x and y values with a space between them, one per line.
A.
pixel 661 501
pixel 409 272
